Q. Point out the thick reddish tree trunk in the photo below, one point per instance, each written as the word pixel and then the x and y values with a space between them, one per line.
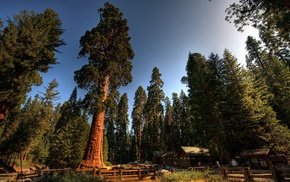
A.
pixel 93 157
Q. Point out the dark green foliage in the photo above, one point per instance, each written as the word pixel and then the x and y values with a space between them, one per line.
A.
pixel 122 123
pixel 176 121
pixel 109 54
pixel 166 135
pixel 270 17
pixel 276 76
pixel 110 119
pixel 33 127
pixel 229 106
pixel 27 47
pixel 105 149
pixel 137 116
pixel 69 138
pixel 239 112
pixel 153 113
pixel 49 117
pixel 109 67
pixel 133 149
pixel 186 127
pixel 272 80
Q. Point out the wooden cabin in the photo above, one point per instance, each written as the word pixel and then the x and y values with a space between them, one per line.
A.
pixel 185 157
pixel 163 158
pixel 256 158
pixel 261 158
pixel 192 156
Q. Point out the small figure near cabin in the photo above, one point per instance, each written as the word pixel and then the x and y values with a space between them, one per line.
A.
pixel 234 163
pixel 217 164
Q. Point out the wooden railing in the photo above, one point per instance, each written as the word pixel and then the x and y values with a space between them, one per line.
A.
pixel 235 173
pixel 135 174
pixel 8 176
pixel 126 174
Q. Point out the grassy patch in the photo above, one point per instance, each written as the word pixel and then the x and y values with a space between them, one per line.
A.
pixel 191 176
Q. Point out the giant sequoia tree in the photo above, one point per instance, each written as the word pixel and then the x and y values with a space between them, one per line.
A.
pixel 109 67
pixel 27 47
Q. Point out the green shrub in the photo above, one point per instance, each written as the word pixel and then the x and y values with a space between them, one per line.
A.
pixel 25 164
pixel 71 176
pixel 107 163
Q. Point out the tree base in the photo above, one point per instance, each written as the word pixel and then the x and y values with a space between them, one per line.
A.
pixel 87 164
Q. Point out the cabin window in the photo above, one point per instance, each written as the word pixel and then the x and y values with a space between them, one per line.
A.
pixel 254 161
pixel 263 163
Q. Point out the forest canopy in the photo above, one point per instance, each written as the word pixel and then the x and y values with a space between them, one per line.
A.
pixel 227 107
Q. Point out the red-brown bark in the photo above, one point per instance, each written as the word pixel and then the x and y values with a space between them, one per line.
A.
pixel 93 157
pixel 25 155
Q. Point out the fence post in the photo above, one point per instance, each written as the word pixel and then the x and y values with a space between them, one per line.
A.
pixel 247 174
pixel 94 172
pixel 120 172
pixel 99 172
pixel 139 173
pixel 276 179
pixel 225 172
pixel 154 172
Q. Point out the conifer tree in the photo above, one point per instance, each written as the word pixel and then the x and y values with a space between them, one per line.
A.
pixel 140 100
pixel 133 148
pixel 47 121
pixel 153 113
pixel 198 83
pixel 167 134
pixel 109 67
pixel 110 124
pixel 271 18
pixel 276 75
pixel 240 110
pixel 27 47
pixel 186 127
pixel 23 132
pixel 176 121
pixel 70 134
pixel 35 123
pixel 122 137
pixel 106 150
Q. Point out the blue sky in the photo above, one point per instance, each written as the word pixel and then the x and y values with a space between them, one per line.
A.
pixel 163 32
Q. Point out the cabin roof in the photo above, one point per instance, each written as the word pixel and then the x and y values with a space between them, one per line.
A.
pixel 255 152
pixel 195 151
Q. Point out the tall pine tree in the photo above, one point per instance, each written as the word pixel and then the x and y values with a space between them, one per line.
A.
pixel 137 115
pixel 153 113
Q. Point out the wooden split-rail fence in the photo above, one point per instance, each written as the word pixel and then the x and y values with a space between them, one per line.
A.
pixel 247 174
pixel 107 174
pixel 135 174
pixel 124 174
